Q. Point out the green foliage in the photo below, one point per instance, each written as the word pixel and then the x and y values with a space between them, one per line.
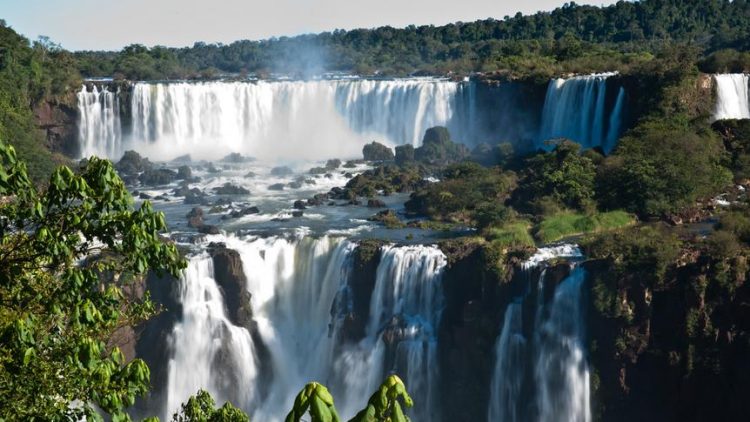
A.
pixel 726 61
pixel 661 166
pixel 572 38
pixel 28 75
pixel 66 255
pixel 467 191
pixel 438 148
pixel 736 137
pixel 643 253
pixel 564 175
pixel 386 404
pixel 510 235
pixel 316 400
pixel 565 224
pixel 202 408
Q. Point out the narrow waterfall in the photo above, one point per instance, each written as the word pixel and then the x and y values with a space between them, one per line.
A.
pixel 405 311
pixel 99 131
pixel 296 287
pixel 578 109
pixel 561 369
pixel 541 372
pixel 209 352
pixel 732 96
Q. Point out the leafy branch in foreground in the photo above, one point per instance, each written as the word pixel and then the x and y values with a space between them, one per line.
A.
pixel 68 254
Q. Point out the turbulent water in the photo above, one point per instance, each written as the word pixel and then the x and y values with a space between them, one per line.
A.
pixel 578 109
pixel 732 96
pixel 541 372
pixel 299 297
pixel 99 130
pixel 335 118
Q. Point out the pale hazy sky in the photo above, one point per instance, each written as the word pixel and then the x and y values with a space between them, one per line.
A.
pixel 112 24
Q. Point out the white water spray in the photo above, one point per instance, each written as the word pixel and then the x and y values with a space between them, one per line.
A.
pixel 732 96
pixel 576 108
pixel 99 131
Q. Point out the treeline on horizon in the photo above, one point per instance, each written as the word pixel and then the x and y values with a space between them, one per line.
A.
pixel 572 38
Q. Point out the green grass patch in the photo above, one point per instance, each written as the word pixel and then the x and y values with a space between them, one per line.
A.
pixel 515 234
pixel 567 224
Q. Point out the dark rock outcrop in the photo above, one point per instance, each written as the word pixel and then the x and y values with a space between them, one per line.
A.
pixel 230 189
pixel 376 151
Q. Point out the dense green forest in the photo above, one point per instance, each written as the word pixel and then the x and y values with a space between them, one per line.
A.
pixel 572 38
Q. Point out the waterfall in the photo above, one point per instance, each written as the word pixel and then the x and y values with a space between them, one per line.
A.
pixel 310 119
pixel 561 372
pixel 99 131
pixel 298 299
pixel 541 372
pixel 405 310
pixel 209 352
pixel 732 96
pixel 286 119
pixel 577 108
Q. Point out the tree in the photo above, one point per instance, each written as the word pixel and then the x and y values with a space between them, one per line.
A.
pixel 68 253
pixel 202 408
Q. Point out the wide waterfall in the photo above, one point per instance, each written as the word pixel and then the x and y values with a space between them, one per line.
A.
pixel 299 298
pixel 99 131
pixel 311 119
pixel 285 119
pixel 541 372
pixel 732 96
pixel 579 109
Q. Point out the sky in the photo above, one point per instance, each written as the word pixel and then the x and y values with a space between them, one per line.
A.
pixel 113 24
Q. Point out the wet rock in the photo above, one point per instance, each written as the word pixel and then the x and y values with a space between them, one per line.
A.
pixel 209 229
pixel 299 205
pixel 250 175
pixel 333 164
pixel 195 218
pixel 211 169
pixel 183 159
pixel 348 175
pixel 318 170
pixel 277 186
pixel 297 214
pixel 376 151
pixel 195 196
pixel 295 185
pixel 237 158
pixel 404 154
pixel 132 163
pixel 230 189
pixel 281 171
pixel 157 177
pixel 144 195
pixel 243 212
pixel 184 173
pixel 375 203
pixel 317 200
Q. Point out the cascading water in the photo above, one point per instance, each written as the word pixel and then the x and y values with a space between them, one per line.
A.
pixel 297 287
pixel 283 119
pixel 577 109
pixel 541 372
pixel 405 310
pixel 99 131
pixel 732 96
pixel 209 352
pixel 314 119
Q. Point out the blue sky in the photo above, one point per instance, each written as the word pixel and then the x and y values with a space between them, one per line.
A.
pixel 112 24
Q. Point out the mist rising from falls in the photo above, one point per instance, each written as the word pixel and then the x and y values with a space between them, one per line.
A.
pixel 285 119
pixel 541 371
pixel 578 109
pixel 300 297
pixel 99 130
pixel 306 119
pixel 732 96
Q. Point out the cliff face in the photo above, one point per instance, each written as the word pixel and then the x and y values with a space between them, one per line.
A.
pixel 58 122
pixel 678 351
